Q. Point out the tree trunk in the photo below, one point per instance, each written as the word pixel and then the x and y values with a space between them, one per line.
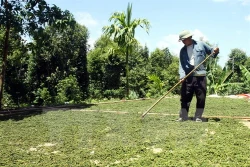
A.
pixel 5 52
pixel 127 72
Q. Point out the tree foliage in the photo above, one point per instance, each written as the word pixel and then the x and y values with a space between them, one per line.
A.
pixel 160 60
pixel 237 57
pixel 27 17
pixel 56 55
pixel 68 91
pixel 122 32
pixel 105 68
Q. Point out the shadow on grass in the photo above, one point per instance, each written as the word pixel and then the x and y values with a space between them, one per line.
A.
pixel 213 119
pixel 207 119
pixel 21 113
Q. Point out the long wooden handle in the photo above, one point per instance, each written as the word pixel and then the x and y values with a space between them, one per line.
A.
pixel 145 113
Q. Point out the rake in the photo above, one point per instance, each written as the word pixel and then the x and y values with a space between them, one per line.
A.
pixel 150 108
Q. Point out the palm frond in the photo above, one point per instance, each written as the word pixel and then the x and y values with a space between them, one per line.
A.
pixel 129 14
pixel 118 18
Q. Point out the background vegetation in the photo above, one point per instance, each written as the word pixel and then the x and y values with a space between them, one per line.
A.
pixel 56 66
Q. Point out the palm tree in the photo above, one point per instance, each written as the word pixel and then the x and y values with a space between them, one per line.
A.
pixel 123 32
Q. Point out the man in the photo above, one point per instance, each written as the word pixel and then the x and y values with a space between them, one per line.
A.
pixel 193 53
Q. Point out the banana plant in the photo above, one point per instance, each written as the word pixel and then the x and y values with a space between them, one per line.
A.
pixel 219 84
pixel 245 72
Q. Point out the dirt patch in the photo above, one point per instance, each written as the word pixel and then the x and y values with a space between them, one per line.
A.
pixel 157 150
pixel 246 123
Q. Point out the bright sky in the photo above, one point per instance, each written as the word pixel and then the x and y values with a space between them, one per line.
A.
pixel 222 22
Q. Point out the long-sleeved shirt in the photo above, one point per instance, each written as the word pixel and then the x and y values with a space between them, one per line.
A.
pixel 200 51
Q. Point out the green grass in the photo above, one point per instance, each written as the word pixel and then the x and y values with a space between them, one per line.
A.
pixel 86 138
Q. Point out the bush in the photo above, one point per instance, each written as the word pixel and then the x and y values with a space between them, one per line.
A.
pixel 113 93
pixel 43 97
pixel 155 86
pixel 68 91
pixel 95 91
pixel 234 89
pixel 8 101
pixel 133 95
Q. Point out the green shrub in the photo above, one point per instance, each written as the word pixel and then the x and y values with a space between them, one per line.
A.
pixel 95 91
pixel 133 95
pixel 43 97
pixel 113 93
pixel 155 86
pixel 68 91
pixel 235 89
pixel 8 101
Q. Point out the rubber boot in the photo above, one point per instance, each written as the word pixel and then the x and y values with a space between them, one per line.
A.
pixel 198 114
pixel 183 114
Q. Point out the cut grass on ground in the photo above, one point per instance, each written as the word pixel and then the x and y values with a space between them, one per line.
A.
pixel 80 138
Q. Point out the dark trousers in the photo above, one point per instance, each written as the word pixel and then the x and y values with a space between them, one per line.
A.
pixel 197 85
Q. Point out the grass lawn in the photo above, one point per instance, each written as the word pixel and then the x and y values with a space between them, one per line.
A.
pixel 119 137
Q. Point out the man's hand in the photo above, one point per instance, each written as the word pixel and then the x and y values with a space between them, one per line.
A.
pixel 216 50
pixel 181 80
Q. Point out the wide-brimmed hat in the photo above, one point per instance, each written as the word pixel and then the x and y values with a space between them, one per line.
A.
pixel 184 34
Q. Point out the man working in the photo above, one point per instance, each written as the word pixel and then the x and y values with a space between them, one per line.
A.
pixel 193 53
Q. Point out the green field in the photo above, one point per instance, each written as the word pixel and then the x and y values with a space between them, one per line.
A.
pixel 113 134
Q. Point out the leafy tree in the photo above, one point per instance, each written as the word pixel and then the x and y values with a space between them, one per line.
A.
pixel 171 75
pixel 237 57
pixel 105 68
pixel 17 63
pixel 145 53
pixel 27 17
pixel 160 60
pixel 139 71
pixel 57 54
pixel 14 87
pixel 123 32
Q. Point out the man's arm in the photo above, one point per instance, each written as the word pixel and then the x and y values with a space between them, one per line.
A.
pixel 210 50
pixel 181 71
